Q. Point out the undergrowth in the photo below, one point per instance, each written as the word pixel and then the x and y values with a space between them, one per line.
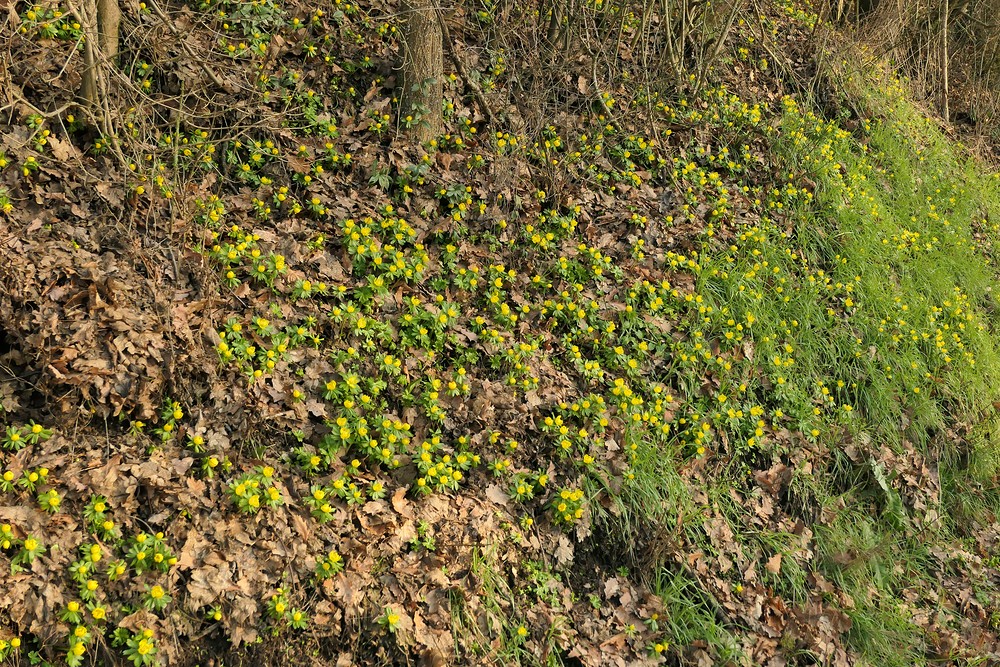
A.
pixel 743 347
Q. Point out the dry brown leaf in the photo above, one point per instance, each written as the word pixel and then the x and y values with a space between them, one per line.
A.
pixel 401 504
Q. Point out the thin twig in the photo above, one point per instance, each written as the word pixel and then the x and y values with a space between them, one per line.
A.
pixel 68 59
pixel 187 48
pixel 453 54
pixel 19 98
pixel 91 53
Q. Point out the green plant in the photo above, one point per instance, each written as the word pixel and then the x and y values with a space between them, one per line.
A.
pixel 139 647
pixel 389 620
pixel 424 539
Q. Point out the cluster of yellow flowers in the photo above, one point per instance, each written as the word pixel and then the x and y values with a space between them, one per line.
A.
pixel 252 491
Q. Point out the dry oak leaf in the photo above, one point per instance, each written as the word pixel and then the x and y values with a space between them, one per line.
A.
pixel 208 583
pixel 774 564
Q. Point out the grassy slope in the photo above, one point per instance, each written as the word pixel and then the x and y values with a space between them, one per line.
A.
pixel 885 299
pixel 785 374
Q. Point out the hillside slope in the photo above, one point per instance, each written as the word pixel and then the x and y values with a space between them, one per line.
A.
pixel 618 370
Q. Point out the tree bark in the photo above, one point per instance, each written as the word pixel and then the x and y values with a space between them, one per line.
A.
pixel 88 20
pixel 109 18
pixel 100 20
pixel 420 109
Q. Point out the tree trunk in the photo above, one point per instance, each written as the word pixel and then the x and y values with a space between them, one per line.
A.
pixel 420 109
pixel 109 18
pixel 100 20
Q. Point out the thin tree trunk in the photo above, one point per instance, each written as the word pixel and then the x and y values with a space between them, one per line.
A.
pixel 109 18
pixel 100 20
pixel 423 71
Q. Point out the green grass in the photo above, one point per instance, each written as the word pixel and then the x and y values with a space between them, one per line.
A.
pixel 875 322
pixel 691 616
pixel 872 563
pixel 907 180
pixel 490 632
pixel 906 234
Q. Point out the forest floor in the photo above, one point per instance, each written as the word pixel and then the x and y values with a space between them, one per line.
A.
pixel 610 373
